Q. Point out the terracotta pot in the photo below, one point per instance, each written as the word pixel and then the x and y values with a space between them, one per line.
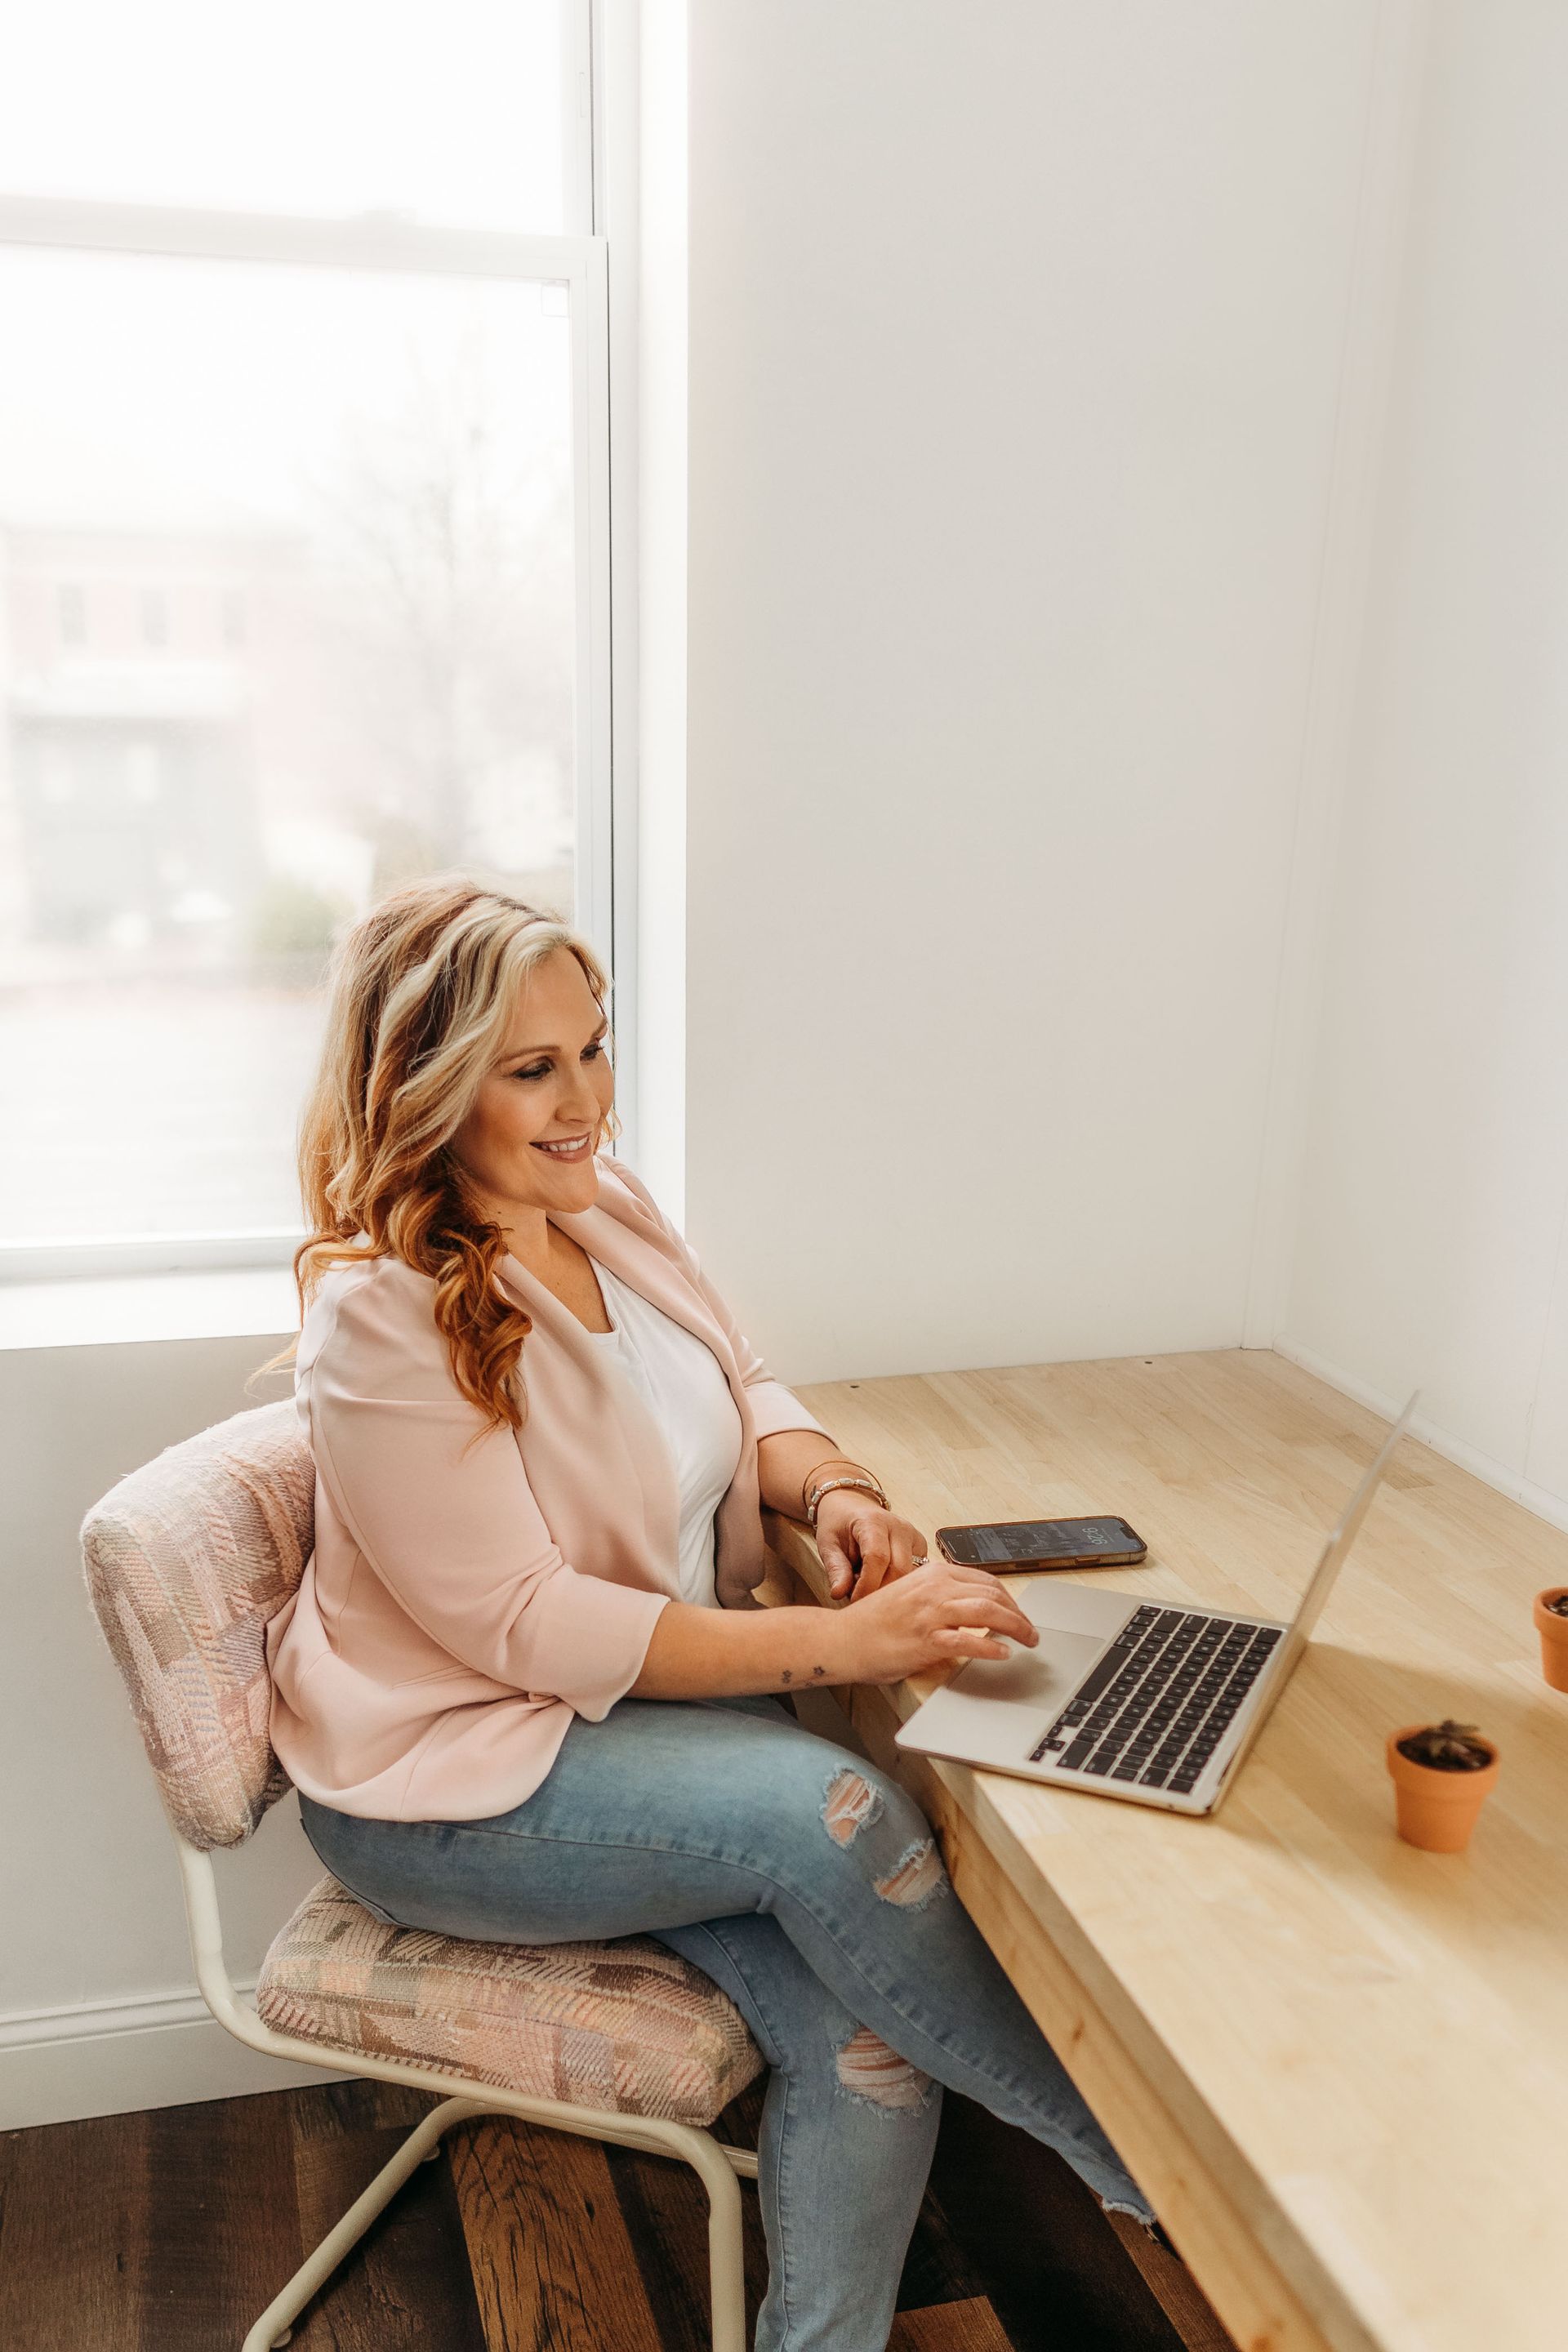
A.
pixel 1434 1809
pixel 1553 1632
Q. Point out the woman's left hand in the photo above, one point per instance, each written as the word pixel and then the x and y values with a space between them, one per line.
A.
pixel 861 1545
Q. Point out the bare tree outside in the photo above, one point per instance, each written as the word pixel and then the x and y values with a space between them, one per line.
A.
pixel 287 616
pixel 446 555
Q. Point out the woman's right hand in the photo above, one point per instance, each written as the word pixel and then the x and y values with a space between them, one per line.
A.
pixel 937 1615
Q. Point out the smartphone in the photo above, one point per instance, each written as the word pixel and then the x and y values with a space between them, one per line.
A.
pixel 1044 1543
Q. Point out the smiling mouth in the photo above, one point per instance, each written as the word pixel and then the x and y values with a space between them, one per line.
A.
pixel 578 1148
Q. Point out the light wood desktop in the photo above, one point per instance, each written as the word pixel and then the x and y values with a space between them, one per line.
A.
pixel 1338 2065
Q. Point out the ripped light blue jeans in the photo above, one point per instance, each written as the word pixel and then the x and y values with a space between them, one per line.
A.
pixel 807 1885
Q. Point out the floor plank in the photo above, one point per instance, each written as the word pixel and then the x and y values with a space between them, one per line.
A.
pixel 407 2286
pixel 667 2220
pixel 937 2268
pixel 330 2110
pixel 1051 2260
pixel 553 2265
pixel 218 2237
pixel 170 2231
pixel 971 2326
pixel 666 2214
pixel 73 2231
pixel 1197 2324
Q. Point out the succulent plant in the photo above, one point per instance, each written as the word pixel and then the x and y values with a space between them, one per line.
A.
pixel 1447 1746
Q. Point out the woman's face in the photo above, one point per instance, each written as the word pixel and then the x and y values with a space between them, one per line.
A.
pixel 529 1140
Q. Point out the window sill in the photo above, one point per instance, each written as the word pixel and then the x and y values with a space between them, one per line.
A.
pixel 223 1303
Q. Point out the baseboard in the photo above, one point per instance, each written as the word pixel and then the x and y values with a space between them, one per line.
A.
pixel 114 2058
pixel 1547 1506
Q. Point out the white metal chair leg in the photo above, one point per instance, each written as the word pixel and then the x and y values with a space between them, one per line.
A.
pixel 726 2278
pixel 718 2167
pixel 721 2169
pixel 726 2275
pixel 276 2323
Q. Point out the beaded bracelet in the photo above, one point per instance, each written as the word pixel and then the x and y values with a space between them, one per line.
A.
pixel 813 1498
pixel 830 1468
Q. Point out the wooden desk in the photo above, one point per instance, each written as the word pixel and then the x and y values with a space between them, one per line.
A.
pixel 1339 2066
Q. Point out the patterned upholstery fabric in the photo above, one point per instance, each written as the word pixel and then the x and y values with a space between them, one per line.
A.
pixel 625 2026
pixel 186 1561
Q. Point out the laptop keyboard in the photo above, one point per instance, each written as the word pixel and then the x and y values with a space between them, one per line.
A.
pixel 1159 1702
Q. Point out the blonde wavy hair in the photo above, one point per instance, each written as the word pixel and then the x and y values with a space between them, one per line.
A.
pixel 422 991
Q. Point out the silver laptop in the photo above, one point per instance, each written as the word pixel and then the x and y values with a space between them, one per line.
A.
pixel 1145 1699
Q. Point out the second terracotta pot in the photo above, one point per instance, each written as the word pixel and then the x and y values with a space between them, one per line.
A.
pixel 1553 1632
pixel 1434 1808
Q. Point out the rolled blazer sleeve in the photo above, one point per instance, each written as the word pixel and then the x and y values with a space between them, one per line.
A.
pixel 446 1518
pixel 773 1407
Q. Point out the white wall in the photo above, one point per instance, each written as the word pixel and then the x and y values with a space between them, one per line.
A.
pixel 1011 375
pixel 660 412
pixel 1435 1188
pixel 1015 335
pixel 98 2009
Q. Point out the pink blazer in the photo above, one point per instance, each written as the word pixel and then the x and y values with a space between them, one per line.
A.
pixel 458 1610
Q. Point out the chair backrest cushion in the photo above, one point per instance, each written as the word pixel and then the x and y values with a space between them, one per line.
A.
pixel 185 1560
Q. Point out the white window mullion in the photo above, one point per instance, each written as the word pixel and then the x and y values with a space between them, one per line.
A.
pixel 579 209
pixel 591 371
pixel 371 242
pixel 577 262
pixel 142 1253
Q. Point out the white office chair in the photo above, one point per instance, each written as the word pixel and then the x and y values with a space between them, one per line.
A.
pixel 186 1559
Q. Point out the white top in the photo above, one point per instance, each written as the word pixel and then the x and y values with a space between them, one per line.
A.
pixel 680 1382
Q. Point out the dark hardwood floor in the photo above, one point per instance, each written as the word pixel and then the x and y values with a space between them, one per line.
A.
pixel 170 2231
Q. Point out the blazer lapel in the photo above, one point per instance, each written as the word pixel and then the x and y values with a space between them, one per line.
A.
pixel 576 1394
pixel 643 1259
pixel 649 1270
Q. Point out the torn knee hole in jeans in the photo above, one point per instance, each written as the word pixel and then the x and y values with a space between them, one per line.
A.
pixel 868 2069
pixel 914 1877
pixel 850 1805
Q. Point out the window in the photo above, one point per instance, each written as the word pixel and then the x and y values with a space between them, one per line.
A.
pixel 72 610
pixel 447 110
pixel 303 393
pixel 154 617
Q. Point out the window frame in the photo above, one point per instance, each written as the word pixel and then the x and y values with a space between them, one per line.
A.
pixel 577 259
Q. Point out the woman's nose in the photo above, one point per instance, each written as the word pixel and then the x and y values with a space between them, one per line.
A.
pixel 577 1099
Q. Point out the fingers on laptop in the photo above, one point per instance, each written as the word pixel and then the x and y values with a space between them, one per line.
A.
pixel 975 1605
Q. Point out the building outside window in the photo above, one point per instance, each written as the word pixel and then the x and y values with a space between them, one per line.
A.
pixel 154 616
pixel 71 607
pixel 337 511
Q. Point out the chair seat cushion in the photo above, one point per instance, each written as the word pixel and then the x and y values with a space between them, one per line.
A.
pixel 623 2026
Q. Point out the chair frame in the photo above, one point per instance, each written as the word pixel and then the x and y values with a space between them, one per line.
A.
pixel 720 2168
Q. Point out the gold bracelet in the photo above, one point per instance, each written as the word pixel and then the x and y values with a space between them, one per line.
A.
pixel 838 1460
pixel 871 1486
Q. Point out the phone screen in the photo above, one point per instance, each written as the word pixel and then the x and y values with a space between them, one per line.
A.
pixel 1034 1539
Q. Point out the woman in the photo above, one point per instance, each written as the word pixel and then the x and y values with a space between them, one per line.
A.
pixel 523 1690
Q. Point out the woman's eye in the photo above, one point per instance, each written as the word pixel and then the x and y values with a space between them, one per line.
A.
pixel 540 1070
pixel 592 1053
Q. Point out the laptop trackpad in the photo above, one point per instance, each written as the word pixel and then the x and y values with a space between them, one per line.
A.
pixel 1041 1678
pixel 995 1709
pixel 964 1719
